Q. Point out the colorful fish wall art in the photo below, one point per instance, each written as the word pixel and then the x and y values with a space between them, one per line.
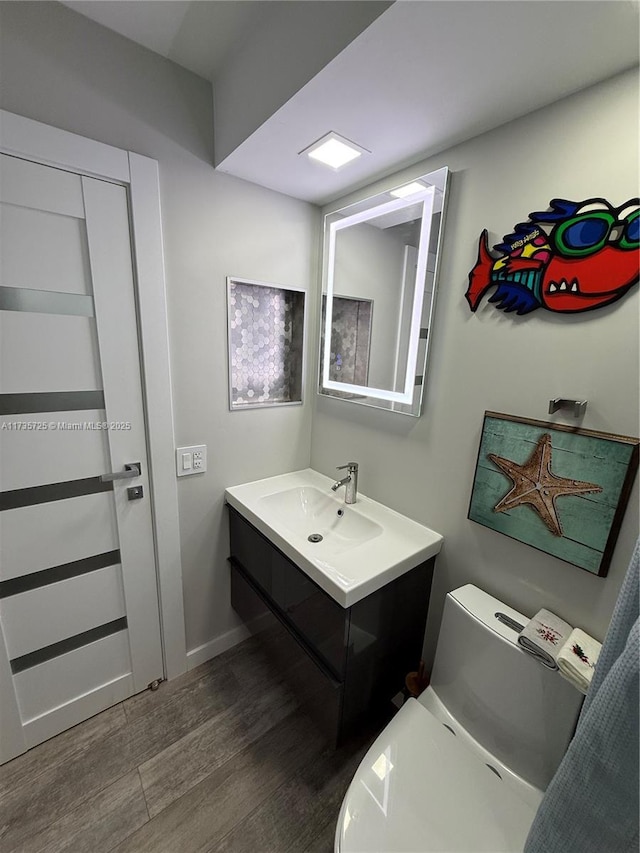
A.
pixel 577 256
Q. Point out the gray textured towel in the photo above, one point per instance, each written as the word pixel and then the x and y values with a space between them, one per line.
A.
pixel 591 804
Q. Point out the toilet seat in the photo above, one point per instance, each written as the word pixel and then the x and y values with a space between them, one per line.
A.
pixel 420 789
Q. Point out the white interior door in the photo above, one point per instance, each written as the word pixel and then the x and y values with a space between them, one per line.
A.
pixel 78 591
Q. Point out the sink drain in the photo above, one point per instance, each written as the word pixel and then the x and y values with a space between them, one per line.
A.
pixel 315 537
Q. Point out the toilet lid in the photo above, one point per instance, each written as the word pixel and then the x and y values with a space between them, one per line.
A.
pixel 420 790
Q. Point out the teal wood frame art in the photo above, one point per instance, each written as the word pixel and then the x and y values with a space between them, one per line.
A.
pixel 560 489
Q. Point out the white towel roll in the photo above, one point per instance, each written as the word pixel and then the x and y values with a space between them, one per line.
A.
pixel 544 636
pixel 577 659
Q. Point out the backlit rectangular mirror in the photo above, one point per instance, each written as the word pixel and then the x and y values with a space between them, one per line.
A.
pixel 379 269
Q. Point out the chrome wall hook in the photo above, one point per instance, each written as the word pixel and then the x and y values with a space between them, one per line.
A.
pixel 577 407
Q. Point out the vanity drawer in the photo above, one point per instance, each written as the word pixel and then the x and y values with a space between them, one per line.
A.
pixel 251 550
pixel 320 619
pixel 314 615
pixel 318 693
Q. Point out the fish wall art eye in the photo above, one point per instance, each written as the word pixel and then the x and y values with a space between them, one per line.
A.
pixel 575 257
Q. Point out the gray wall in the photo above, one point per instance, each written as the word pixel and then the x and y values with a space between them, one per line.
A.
pixel 584 146
pixel 60 68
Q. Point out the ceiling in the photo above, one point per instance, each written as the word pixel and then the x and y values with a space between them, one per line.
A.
pixel 410 79
pixel 197 35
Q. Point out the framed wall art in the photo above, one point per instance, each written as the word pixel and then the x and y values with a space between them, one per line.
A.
pixel 574 257
pixel 560 489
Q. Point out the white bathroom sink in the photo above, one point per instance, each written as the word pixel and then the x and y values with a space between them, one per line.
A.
pixel 354 549
pixel 306 511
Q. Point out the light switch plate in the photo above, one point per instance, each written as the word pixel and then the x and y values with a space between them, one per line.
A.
pixel 191 460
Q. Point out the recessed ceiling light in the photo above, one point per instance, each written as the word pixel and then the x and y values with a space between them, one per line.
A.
pixel 408 189
pixel 334 150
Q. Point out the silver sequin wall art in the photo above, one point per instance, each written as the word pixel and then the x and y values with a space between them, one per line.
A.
pixel 265 335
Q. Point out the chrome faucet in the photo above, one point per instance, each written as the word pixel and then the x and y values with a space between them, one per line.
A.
pixel 350 482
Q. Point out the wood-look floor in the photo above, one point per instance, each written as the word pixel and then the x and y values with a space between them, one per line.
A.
pixel 220 759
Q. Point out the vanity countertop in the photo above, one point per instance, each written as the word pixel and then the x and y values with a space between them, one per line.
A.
pixel 363 546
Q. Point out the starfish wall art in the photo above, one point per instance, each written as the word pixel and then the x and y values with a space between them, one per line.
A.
pixel 560 489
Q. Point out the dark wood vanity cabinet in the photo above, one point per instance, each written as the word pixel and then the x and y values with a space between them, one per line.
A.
pixel 346 664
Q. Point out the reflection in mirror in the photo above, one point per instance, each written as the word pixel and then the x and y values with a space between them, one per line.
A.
pixel 350 340
pixel 378 282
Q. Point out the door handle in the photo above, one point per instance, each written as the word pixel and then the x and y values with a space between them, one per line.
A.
pixel 131 470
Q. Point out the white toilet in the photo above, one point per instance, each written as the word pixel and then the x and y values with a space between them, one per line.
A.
pixel 463 768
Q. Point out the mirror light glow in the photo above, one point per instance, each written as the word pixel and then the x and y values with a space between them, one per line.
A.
pixel 425 197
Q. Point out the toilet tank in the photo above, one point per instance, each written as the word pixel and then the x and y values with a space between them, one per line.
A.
pixel 521 711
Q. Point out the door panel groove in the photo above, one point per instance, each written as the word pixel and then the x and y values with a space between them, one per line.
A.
pixel 15 586
pixel 67 645
pixel 50 401
pixel 52 492
pixel 45 301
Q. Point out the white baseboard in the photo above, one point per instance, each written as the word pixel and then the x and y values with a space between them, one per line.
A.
pixel 216 647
